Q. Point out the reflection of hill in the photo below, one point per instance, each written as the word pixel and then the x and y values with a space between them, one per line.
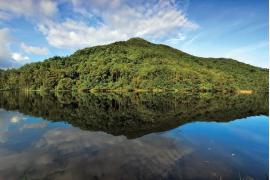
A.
pixel 133 114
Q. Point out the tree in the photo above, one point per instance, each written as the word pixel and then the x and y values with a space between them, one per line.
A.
pixel 65 84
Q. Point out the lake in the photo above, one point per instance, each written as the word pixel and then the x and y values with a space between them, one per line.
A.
pixel 133 136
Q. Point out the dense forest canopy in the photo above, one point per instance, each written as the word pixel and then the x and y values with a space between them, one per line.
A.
pixel 135 64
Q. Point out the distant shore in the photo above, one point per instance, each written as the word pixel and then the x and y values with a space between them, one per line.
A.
pixel 94 90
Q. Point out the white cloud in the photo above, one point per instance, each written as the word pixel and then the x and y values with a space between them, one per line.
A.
pixel 6 60
pixel 72 34
pixel 97 22
pixel 175 40
pixel 116 20
pixel 48 8
pixel 20 58
pixel 39 11
pixel 29 8
pixel 100 21
pixel 9 59
pixel 34 50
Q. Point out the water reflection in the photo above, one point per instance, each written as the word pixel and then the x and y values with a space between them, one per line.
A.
pixel 134 115
pixel 157 138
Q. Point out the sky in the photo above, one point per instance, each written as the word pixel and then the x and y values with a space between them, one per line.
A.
pixel 33 30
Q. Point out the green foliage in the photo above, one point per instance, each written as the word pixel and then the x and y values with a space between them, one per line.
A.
pixel 135 64
pixel 134 114
pixel 65 84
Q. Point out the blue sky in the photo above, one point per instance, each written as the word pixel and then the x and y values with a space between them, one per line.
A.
pixel 33 30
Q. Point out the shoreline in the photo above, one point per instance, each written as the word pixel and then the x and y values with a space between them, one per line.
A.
pixel 140 91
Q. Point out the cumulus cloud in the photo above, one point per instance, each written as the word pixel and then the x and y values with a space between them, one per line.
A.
pixel 34 50
pixel 116 20
pixel 20 58
pixel 9 59
pixel 28 8
pixel 72 34
pixel 100 22
pixel 94 22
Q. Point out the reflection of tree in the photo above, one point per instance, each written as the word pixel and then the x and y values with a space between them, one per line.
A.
pixel 133 114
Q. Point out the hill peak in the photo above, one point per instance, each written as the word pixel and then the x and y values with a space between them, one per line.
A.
pixel 136 65
pixel 138 40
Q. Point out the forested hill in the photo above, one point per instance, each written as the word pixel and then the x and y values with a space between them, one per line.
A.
pixel 136 65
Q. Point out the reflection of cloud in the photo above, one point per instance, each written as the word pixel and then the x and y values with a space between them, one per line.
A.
pixel 70 153
pixel 15 119
pixel 3 138
pixel 105 155
pixel 35 125
pixel 18 122
pixel 8 118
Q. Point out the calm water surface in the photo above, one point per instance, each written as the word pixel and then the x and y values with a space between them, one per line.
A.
pixel 133 136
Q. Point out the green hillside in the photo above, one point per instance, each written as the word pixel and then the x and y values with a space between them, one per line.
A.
pixel 135 65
